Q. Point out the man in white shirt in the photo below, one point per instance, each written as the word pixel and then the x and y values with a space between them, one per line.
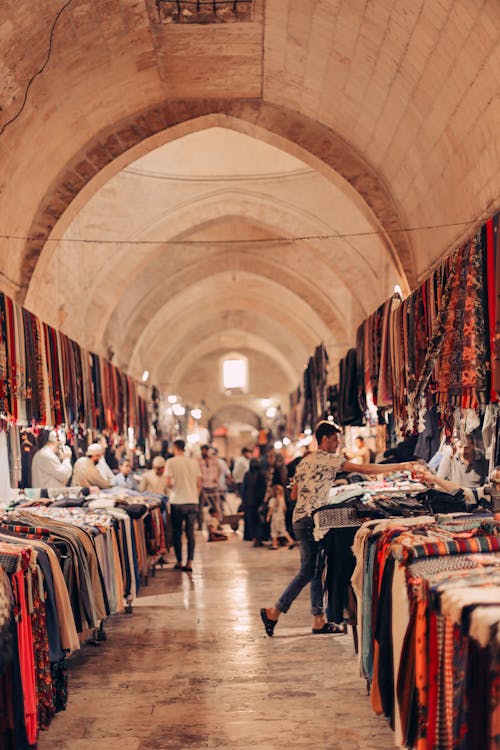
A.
pixel 51 466
pixel 183 476
pixel 85 471
pixel 102 464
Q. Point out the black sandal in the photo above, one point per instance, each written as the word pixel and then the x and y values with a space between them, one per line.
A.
pixel 268 623
pixel 328 628
pixel 178 566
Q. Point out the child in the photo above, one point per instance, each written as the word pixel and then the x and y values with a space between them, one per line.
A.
pixel 276 516
pixel 214 535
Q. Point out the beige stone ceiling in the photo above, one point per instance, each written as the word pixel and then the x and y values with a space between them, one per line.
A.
pixel 189 257
pixel 181 165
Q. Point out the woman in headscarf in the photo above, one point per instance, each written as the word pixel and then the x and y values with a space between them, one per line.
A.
pixel 253 495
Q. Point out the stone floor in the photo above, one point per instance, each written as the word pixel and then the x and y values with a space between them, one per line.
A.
pixel 193 668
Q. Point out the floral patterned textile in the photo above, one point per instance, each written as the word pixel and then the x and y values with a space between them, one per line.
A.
pixel 43 678
pixel 436 345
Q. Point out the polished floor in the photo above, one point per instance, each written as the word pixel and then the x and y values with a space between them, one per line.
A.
pixel 193 668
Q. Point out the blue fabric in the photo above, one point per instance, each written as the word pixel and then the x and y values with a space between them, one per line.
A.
pixel 366 611
pixel 134 555
pixel 310 570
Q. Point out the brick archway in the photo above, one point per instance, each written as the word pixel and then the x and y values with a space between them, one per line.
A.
pixel 122 143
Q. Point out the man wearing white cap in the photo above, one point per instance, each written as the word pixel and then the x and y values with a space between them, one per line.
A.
pixel 48 470
pixel 85 471
pixel 154 480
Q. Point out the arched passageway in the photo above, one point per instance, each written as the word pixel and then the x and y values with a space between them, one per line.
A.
pixel 172 193
pixel 215 230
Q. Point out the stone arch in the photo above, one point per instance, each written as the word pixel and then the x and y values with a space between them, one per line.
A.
pixel 242 262
pixel 235 413
pixel 245 339
pixel 308 327
pixel 209 209
pixel 281 343
pixel 123 142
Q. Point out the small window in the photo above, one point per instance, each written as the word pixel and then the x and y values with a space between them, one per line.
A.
pixel 235 374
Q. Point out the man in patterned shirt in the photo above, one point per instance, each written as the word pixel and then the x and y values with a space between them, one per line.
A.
pixel 315 475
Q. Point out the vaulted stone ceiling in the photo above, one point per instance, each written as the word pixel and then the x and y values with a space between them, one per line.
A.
pixel 239 186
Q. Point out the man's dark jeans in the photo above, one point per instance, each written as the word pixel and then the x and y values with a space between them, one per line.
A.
pixel 183 516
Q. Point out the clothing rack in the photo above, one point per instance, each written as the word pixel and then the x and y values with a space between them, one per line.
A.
pixel 63 571
pixel 428 593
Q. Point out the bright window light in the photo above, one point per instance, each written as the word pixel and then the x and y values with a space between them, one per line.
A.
pixel 196 413
pixel 235 373
pixel 145 375
pixel 172 399
pixel 304 441
pixel 271 411
pixel 178 410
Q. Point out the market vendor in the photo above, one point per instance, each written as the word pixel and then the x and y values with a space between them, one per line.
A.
pixel 474 495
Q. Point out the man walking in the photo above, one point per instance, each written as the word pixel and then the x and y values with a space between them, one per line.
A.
pixel 314 476
pixel 184 479
pixel 210 474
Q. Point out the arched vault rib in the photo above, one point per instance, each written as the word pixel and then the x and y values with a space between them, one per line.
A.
pixel 235 413
pixel 239 263
pixel 290 311
pixel 153 345
pixel 279 218
pixel 123 142
pixel 276 335
pixel 335 275
pixel 187 356
pixel 285 218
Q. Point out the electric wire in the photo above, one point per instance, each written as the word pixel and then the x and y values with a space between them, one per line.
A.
pixel 38 72
pixel 239 241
